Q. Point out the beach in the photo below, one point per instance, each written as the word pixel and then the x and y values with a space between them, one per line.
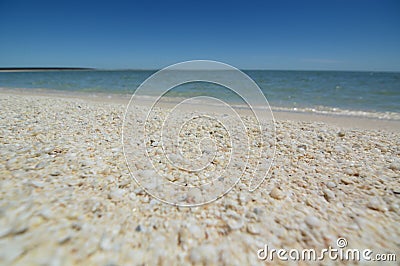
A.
pixel 67 196
pixel 204 133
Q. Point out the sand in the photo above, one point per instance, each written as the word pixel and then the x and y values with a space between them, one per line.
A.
pixel 67 196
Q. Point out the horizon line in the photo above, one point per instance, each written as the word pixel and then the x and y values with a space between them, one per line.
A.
pixel 27 69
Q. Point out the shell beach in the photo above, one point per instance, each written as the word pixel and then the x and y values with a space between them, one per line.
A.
pixel 67 197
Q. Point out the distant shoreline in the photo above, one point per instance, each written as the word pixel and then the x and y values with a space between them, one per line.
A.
pixel 32 69
pixel 24 69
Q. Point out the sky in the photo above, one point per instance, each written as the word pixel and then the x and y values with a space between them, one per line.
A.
pixel 293 35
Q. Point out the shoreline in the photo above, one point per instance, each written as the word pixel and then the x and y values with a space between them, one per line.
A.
pixel 42 69
pixel 348 121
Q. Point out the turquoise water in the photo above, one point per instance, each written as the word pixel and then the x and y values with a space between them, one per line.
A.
pixel 296 90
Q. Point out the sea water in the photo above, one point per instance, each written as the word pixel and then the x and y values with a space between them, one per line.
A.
pixel 365 93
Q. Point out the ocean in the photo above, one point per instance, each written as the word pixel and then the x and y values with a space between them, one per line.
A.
pixel 375 94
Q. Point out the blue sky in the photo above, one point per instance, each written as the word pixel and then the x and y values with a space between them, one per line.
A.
pixel 306 35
